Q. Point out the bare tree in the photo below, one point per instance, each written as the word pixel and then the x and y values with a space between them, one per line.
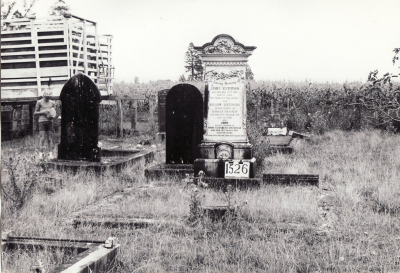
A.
pixel 382 97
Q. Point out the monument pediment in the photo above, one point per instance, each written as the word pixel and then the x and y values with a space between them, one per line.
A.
pixel 224 44
pixel 213 75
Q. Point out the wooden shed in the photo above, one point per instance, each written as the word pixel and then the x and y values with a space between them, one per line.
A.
pixel 39 54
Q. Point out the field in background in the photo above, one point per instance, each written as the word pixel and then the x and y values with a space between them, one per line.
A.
pixel 302 106
pixel 350 223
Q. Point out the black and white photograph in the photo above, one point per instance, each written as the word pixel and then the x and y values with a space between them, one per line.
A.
pixel 200 136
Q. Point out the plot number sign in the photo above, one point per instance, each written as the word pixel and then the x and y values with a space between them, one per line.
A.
pixel 237 169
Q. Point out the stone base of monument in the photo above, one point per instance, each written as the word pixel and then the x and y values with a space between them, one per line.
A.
pixel 85 255
pixel 112 159
pixel 216 167
pixel 291 179
pixel 239 149
pixel 170 170
pixel 216 183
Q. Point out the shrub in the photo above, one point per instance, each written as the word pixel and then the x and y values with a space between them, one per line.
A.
pixel 20 179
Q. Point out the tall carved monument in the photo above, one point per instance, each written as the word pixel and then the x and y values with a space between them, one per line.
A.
pixel 80 99
pixel 225 149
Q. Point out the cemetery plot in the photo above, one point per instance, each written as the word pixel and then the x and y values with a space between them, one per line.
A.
pixel 150 201
pixel 58 255
pixel 184 132
pixel 79 148
pixel 301 220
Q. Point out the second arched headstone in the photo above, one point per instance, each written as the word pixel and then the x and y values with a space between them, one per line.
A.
pixel 184 124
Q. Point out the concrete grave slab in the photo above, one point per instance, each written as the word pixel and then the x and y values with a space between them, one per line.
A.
pixel 114 159
pixel 280 144
pixel 86 255
pixel 170 170
pixel 216 183
pixel 109 212
pixel 291 179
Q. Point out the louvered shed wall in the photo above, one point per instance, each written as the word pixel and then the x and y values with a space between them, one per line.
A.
pixel 41 54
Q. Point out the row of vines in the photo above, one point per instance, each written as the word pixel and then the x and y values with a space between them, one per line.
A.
pixel 321 107
pixel 303 107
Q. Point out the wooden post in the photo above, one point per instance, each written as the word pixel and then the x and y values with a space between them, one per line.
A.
pixel 35 42
pixel 151 114
pixel 272 107
pixel 288 104
pixel 32 119
pixel 120 132
pixel 133 119
pixel 134 115
pixel 256 106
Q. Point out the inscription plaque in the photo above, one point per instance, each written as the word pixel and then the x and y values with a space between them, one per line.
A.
pixel 226 115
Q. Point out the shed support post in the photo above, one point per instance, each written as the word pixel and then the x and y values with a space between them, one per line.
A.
pixel 32 119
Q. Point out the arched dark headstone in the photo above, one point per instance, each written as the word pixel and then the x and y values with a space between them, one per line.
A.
pixel 184 124
pixel 80 100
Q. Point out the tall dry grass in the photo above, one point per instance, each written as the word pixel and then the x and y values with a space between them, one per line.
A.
pixel 280 229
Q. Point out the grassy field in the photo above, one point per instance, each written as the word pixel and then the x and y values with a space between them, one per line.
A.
pixel 351 223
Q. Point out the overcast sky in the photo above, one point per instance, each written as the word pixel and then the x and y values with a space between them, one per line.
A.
pixel 295 39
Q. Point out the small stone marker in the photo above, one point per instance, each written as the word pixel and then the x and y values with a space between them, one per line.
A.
pixel 162 99
pixel 80 99
pixel 277 131
pixel 184 124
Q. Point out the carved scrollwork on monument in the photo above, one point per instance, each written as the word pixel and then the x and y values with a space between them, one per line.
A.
pixel 213 75
pixel 224 46
pixel 223 151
